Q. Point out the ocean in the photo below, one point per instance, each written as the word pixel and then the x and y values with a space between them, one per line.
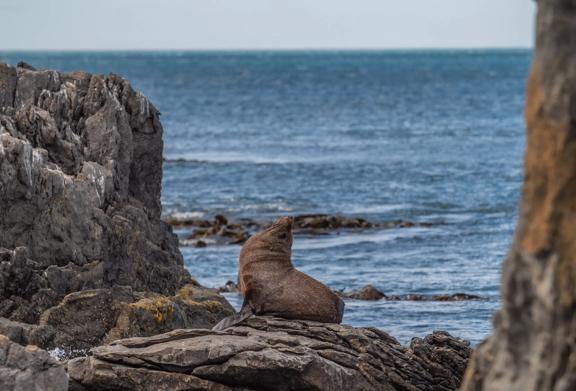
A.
pixel 424 136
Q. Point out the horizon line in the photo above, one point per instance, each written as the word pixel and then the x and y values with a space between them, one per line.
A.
pixel 214 50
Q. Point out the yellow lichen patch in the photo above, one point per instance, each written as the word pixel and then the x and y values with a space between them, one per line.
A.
pixel 161 307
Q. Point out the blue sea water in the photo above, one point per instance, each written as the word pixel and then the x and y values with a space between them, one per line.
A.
pixel 429 136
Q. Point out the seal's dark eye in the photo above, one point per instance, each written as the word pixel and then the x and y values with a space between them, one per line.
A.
pixel 283 236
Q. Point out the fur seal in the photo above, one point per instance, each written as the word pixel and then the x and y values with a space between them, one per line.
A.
pixel 272 286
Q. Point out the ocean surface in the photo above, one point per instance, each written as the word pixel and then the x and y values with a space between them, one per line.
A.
pixel 425 136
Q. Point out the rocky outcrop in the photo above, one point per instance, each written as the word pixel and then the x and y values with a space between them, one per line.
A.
pixel 267 353
pixel 221 231
pixel 80 176
pixel 534 342
pixel 29 368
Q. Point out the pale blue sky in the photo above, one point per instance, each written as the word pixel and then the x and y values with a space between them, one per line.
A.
pixel 265 24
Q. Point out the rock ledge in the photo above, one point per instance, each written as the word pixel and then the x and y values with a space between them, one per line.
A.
pixel 266 353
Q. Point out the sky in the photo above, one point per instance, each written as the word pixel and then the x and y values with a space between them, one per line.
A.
pixel 264 24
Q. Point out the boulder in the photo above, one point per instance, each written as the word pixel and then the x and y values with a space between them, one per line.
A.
pixel 534 341
pixel 265 353
pixel 92 317
pixel 192 307
pixel 29 368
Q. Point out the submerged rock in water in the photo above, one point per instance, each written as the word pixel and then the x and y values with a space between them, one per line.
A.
pixel 221 231
pixel 265 353
pixel 28 368
pixel 368 292
pixel 80 177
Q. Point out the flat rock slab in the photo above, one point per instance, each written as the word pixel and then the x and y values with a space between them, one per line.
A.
pixel 265 353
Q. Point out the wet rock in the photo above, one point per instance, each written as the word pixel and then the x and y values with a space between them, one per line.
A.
pixel 29 368
pixel 266 353
pixel 534 342
pixel 457 297
pixel 368 292
pixel 230 287
pixel 444 297
pixel 326 222
pixel 221 231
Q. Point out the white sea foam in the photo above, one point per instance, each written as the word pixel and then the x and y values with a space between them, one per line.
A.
pixel 187 215
pixel 377 208
pixel 329 241
pixel 58 353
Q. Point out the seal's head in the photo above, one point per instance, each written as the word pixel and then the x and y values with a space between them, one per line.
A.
pixel 275 239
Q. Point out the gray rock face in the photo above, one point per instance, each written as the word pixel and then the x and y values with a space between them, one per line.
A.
pixel 265 353
pixel 80 173
pixel 80 176
pixel 84 256
pixel 29 369
pixel 534 342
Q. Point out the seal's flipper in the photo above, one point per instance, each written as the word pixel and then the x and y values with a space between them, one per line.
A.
pixel 340 311
pixel 232 320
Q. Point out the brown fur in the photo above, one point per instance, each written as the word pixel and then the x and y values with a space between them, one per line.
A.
pixel 272 286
